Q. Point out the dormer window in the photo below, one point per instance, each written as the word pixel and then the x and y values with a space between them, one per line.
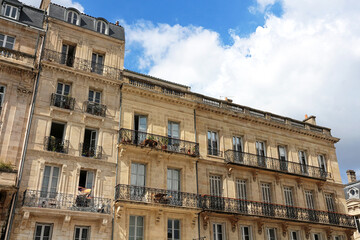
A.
pixel 353 193
pixel 101 27
pixel 73 18
pixel 11 11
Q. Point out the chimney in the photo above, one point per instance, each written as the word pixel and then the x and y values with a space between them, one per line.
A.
pixel 117 23
pixel 310 119
pixel 44 4
pixel 351 176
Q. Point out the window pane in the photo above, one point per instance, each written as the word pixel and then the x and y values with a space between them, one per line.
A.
pixel 14 11
pixel 7 11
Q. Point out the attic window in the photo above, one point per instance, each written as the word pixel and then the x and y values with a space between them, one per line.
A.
pixel 11 11
pixel 73 18
pixel 353 193
pixel 101 27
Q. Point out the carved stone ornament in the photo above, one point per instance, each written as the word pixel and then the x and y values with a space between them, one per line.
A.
pixel 158 214
pixel 329 233
pixel 284 227
pixel 307 230
pixel 234 221
pixel 260 225
pixel 205 219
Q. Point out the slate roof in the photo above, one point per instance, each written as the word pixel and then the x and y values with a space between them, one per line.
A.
pixel 87 22
pixel 28 15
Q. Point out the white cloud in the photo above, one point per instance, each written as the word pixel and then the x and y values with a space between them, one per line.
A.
pixel 65 3
pixel 304 62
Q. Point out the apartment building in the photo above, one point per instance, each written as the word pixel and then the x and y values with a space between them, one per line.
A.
pixel 20 37
pixel 351 190
pixel 115 154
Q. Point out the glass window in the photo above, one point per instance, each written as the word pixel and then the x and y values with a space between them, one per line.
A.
pixel 237 144
pixel 241 189
pixel 86 179
pixel 7 41
pixel 213 143
pixel 173 229
pixel 271 234
pixel 82 233
pixel 2 95
pixel 72 17
pixel 266 192
pixel 322 162
pixel 288 193
pixel 246 233
pixel 43 231
pixel 330 203
pixel 282 153
pixel 338 237
pixel 218 230
pixel 357 221
pixel 303 162
pixel 63 89
pixel 137 174
pixel 215 185
pixel 11 11
pixel 94 96
pixel 136 228
pixel 309 199
pixel 173 129
pixel 97 63
pixel 316 236
pixel 50 182
pixel 173 180
pixel 260 149
pixel 294 235
pixel 101 27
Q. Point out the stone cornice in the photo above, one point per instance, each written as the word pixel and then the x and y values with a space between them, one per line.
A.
pixel 18 69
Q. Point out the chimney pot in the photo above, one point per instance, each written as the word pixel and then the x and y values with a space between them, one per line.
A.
pixel 351 176
pixel 117 23
pixel 311 119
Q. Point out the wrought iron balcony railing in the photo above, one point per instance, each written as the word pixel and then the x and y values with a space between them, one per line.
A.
pixel 62 101
pixel 156 196
pixel 168 144
pixel 94 108
pixel 16 55
pixel 248 159
pixel 59 145
pixel 91 151
pixel 54 200
pixel 238 206
pixel 81 64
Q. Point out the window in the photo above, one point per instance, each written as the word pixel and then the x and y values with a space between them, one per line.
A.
pixel 7 41
pixel 86 181
pixel 238 149
pixel 309 200
pixel 271 234
pixel 89 148
pixel 303 162
pixel 283 158
pixel 11 11
pixel 93 105
pixel 55 141
pixel 43 231
pixel 322 163
pixel 338 237
pixel 246 233
pixel 353 192
pixel 101 27
pixel 266 192
pixel 288 193
pixel 357 222
pixel 173 229
pixel 50 182
pixel 173 180
pixel 261 153
pixel 215 185
pixel 294 235
pixel 241 189
pixel 82 233
pixel 136 228
pixel 330 203
pixel 173 134
pixel 213 143
pixel 137 181
pixel 218 230
pixel 2 96
pixel 140 127
pixel 73 18
pixel 63 89
pixel 68 55
pixel 94 96
pixel 97 63
pixel 316 236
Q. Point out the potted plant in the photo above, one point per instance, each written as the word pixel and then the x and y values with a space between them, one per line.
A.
pixel 164 143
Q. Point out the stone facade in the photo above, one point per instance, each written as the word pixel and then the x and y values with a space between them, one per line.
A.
pixel 115 154
pixel 352 196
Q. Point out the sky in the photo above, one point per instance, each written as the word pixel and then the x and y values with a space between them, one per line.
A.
pixel 282 56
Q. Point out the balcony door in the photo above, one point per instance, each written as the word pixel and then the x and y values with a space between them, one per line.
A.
pixel 303 162
pixel 137 181
pixel 238 149
pixel 310 204
pixel 97 63
pixel 55 141
pixel 283 158
pixel 173 186
pixel 140 127
pixel 216 201
pixel 173 134
pixel 85 189
pixel 61 98
pixel 68 55
pixel 261 153
pixel 90 143
pixel 268 209
pixel 50 182
pixel 289 202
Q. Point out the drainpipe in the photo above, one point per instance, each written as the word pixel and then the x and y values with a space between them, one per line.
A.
pixel 197 175
pixel 26 141
pixel 117 164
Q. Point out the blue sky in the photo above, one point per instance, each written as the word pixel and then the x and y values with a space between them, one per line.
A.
pixel 283 56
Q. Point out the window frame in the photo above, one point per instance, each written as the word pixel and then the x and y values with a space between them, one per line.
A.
pixel 93 100
pixel 5 41
pixel 136 226
pixel 309 193
pixel 77 23
pixel 172 179
pixel 322 159
pixel 172 228
pixel 266 187
pixel 241 189
pixel 12 7
pixel 51 176
pixel 243 237
pixel 215 233
pixel 43 225
pixel 2 95
pixel 316 234
pixel 82 228
pixel 237 142
pixel 104 26
pixel 297 235
pixel 212 179
pixel 289 195
pixel 268 233
pixel 210 151
pixel 330 202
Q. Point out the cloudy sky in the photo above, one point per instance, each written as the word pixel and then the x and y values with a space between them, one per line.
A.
pixel 283 56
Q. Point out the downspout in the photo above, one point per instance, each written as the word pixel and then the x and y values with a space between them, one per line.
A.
pixel 26 141
pixel 117 162
pixel 196 169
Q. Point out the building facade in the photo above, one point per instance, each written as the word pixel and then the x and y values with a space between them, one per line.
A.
pixel 352 197
pixel 115 154
pixel 21 35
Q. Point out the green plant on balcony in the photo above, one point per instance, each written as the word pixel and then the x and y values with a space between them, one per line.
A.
pixel 164 143
pixel 150 141
pixel 6 167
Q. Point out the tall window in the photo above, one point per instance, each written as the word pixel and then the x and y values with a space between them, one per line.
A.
pixel 94 96
pixel 82 233
pixel 215 185
pixel 137 181
pixel 55 141
pixel 246 233
pixel 86 179
pixel 261 153
pixel 303 162
pixel 173 229
pixel 357 221
pixel 218 230
pixel 241 189
pixel 140 127
pixel 330 203
pixel 213 143
pixel 173 179
pixel 237 144
pixel 316 236
pixel 89 148
pixel 2 96
pixel 136 228
pixel 294 235
pixel 309 200
pixel 322 163
pixel 11 11
pixel 266 192
pixel 72 17
pixel 288 193
pixel 173 134
pixel 7 41
pixel 43 231
pixel 283 158
pixel 50 182
pixel 68 55
pixel 271 234
pixel 101 27
pixel 338 237
pixel 97 63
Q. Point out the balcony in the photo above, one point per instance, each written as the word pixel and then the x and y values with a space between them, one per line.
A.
pixel 94 108
pixel 274 211
pixel 61 201
pixel 166 144
pixel 91 151
pixel 54 144
pixel 273 164
pixel 81 64
pixel 62 101
pixel 156 196
pixel 17 56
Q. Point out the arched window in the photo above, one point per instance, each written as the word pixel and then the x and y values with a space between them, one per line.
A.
pixel 73 17
pixel 101 27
